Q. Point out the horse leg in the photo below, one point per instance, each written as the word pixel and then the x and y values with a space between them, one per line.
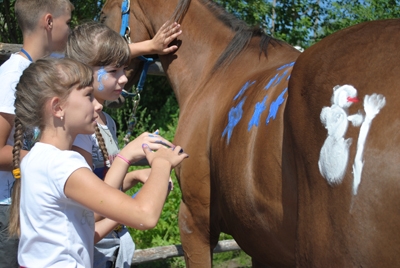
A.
pixel 195 238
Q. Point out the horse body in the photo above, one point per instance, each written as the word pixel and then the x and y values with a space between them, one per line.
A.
pixel 337 226
pixel 232 180
pixel 224 187
pixel 235 187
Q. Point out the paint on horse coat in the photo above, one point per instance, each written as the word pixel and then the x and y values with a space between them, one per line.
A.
pixel 234 117
pixel 334 153
pixel 273 110
pixel 258 110
pixel 243 89
pixel 236 112
pixel 372 105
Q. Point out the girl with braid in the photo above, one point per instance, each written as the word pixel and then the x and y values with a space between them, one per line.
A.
pixel 107 53
pixel 55 191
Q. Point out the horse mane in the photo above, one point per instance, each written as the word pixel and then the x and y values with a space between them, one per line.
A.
pixel 243 35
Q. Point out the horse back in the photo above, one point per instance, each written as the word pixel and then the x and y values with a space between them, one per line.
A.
pixel 342 221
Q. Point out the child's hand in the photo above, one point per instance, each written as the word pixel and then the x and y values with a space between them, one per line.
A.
pixel 165 35
pixel 173 155
pixel 133 150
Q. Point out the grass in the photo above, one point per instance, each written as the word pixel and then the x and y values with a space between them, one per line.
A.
pixel 232 259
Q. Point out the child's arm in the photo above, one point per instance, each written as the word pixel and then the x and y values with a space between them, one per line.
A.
pixel 133 152
pixel 159 44
pixel 139 176
pixel 6 155
pixel 141 212
pixel 102 228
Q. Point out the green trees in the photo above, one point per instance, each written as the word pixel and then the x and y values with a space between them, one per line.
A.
pixel 9 31
pixel 344 13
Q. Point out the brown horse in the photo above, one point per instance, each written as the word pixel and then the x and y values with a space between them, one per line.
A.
pixel 249 164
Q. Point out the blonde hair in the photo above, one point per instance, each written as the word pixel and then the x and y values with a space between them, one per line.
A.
pixel 96 44
pixel 29 12
pixel 41 81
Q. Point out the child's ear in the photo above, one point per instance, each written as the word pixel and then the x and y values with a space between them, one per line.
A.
pixel 48 18
pixel 56 108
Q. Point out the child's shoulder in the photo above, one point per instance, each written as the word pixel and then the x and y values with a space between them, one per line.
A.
pixel 15 64
pixel 54 156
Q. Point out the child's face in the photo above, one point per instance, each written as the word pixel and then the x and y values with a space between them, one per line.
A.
pixel 108 82
pixel 60 31
pixel 80 111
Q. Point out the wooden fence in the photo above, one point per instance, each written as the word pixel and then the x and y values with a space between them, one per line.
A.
pixel 165 252
pixel 7 49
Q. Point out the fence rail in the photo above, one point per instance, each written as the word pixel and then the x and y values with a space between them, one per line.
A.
pixel 165 252
pixel 7 49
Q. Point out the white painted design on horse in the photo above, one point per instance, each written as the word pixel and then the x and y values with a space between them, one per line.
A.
pixel 372 106
pixel 334 153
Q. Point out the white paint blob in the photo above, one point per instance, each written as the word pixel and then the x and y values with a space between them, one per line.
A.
pixel 372 105
pixel 334 154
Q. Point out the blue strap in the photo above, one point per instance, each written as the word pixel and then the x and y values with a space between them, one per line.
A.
pixel 125 17
pixel 26 54
pixel 142 79
pixel 125 8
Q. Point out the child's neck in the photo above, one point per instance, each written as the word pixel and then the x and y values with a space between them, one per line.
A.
pixel 35 48
pixel 102 120
pixel 58 139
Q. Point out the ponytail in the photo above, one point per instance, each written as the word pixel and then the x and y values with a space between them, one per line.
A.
pixel 14 225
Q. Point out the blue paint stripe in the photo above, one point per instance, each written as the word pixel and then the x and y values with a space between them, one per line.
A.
pixel 273 109
pixel 243 89
pixel 280 78
pixel 258 110
pixel 236 113
pixel 286 66
pixel 234 117
pixel 270 82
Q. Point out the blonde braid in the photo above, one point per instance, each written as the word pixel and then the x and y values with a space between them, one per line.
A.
pixel 102 146
pixel 14 228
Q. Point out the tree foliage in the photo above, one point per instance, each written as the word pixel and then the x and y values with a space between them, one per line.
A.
pixel 9 31
pixel 345 13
